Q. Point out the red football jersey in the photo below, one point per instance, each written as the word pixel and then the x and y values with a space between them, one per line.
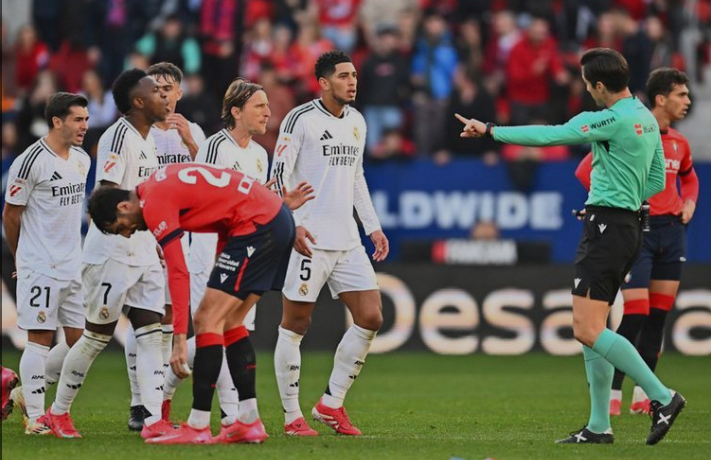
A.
pixel 202 199
pixel 677 156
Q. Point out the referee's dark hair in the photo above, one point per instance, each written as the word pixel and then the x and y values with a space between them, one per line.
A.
pixel 606 66
pixel 326 63
pixel 103 204
pixel 60 104
pixel 166 69
pixel 123 88
pixel 237 95
pixel 661 82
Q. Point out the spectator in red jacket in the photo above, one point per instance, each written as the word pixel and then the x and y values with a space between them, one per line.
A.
pixel 32 56
pixel 533 62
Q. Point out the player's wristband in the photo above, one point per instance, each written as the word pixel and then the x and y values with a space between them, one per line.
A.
pixel 487 132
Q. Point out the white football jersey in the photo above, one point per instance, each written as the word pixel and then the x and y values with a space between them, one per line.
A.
pixel 221 149
pixel 327 152
pixel 171 149
pixel 52 190
pixel 124 158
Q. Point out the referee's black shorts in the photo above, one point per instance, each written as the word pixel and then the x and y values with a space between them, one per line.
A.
pixel 610 243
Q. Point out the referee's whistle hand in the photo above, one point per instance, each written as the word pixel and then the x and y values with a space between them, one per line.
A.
pixel 472 127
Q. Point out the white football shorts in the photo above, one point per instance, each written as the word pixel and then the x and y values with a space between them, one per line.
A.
pixel 112 287
pixel 45 303
pixel 344 271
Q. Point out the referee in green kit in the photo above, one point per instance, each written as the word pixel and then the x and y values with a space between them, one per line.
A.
pixel 628 167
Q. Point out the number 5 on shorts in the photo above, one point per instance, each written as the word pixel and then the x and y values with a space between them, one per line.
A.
pixel 305 270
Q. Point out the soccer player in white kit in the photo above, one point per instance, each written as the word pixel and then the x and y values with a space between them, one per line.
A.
pixel 177 141
pixel 245 112
pixel 42 219
pixel 321 142
pixel 122 274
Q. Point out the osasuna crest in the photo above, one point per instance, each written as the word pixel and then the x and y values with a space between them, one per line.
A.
pixel 356 133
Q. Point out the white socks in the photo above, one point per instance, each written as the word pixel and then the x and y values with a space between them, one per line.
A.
pixel 199 419
pixel 248 412
pixel 149 369
pixel 76 365
pixel 32 371
pixel 287 367
pixel 348 361
pixel 616 394
pixel 130 351
pixel 167 330
pixel 55 360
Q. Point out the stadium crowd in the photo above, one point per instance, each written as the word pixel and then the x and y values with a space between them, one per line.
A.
pixel 510 61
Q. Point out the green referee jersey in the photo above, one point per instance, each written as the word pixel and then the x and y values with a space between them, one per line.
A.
pixel 628 160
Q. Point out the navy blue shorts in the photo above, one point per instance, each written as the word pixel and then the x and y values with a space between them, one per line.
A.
pixel 256 263
pixel 662 255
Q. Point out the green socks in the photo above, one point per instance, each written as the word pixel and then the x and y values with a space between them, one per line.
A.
pixel 619 352
pixel 600 373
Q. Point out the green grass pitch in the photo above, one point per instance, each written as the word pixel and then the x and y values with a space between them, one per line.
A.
pixel 408 405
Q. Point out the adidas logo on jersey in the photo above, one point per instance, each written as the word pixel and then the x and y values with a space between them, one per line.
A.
pixel 326 136
pixel 55 176
pixel 143 155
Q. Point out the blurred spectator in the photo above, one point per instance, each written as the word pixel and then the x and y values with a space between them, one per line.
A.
pixel 32 56
pixel 31 124
pixel 171 44
pixel 281 57
pixel 220 35
pixel 70 63
pixel 605 34
pixel 471 100
pixel 375 13
pixel 123 22
pixel 637 50
pixel 505 35
pixel 433 66
pixel 309 45
pixel 485 230
pixel 469 43
pixel 102 109
pixel 281 100
pixel 199 106
pixel 258 47
pixel 9 140
pixel 662 50
pixel 534 61
pixel 46 16
pixel 392 146
pixel 9 74
pixel 337 19
pixel 383 86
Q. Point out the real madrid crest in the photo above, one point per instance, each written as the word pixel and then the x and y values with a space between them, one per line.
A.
pixel 304 289
pixel 81 168
pixel 259 164
pixel 356 133
pixel 41 317
pixel 104 313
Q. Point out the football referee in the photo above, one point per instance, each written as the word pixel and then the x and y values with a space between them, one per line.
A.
pixel 627 168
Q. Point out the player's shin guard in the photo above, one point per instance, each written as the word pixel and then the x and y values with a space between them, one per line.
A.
pixel 55 360
pixel 619 352
pixel 636 313
pixel 599 373
pixel 149 369
pixel 32 368
pixel 348 362
pixel 130 352
pixel 242 362
pixel 76 366
pixel 208 358
pixel 287 367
